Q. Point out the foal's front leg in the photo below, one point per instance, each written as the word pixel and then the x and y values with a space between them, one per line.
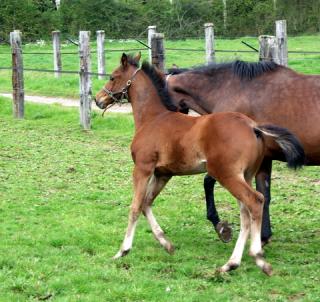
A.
pixel 141 179
pixel 156 184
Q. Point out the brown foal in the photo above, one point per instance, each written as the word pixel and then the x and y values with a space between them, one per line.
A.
pixel 229 146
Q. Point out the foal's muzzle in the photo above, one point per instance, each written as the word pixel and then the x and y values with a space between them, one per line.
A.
pixel 101 104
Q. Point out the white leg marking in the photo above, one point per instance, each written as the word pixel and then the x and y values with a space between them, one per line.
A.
pixel 237 253
pixel 156 230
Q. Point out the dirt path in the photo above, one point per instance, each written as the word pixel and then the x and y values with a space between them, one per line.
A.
pixel 125 108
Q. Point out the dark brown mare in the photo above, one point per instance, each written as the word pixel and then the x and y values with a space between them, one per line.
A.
pixel 229 146
pixel 267 93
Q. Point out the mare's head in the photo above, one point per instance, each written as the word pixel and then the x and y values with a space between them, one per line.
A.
pixel 115 90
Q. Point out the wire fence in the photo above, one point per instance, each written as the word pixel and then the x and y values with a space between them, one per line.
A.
pixel 217 54
pixel 304 53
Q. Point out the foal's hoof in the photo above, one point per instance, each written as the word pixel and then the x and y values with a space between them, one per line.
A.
pixel 229 266
pixel 170 248
pixel 224 231
pixel 120 254
pixel 267 269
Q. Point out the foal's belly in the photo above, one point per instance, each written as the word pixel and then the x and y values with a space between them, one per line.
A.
pixel 181 168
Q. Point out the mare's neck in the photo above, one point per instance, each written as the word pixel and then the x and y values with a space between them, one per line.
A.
pixel 206 93
pixel 145 101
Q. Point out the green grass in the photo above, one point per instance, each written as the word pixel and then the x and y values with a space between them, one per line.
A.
pixel 64 200
pixel 68 85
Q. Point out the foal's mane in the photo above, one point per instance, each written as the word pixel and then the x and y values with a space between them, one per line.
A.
pixel 160 85
pixel 244 70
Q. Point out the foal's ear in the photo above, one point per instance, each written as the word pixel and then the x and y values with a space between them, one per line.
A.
pixel 137 57
pixel 124 60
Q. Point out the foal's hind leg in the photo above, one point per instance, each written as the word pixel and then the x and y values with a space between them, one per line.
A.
pixel 253 202
pixel 155 187
pixel 141 179
pixel 222 228
pixel 237 253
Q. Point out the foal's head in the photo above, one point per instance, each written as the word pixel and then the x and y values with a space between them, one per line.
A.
pixel 115 90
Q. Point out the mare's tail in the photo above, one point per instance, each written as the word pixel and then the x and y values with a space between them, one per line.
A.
pixel 289 144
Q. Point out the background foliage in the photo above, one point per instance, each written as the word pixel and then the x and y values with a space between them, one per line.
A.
pixel 177 18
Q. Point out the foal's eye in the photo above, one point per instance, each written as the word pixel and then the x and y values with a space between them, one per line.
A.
pixel 111 78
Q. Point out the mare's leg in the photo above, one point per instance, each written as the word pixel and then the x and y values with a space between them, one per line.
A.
pixel 141 179
pixel 263 183
pixel 253 201
pixel 222 228
pixel 155 187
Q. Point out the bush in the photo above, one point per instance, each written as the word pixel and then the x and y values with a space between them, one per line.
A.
pixel 181 18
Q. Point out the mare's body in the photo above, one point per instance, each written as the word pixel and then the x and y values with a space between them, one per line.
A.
pixel 168 143
pixel 267 93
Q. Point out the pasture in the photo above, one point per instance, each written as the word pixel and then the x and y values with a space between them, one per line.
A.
pixel 64 198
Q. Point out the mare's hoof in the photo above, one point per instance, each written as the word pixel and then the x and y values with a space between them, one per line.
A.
pixel 224 231
pixel 265 241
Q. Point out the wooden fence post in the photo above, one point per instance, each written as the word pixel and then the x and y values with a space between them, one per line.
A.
pixel 17 74
pixel 85 79
pixel 281 34
pixel 101 54
pixel 157 49
pixel 152 29
pixel 57 66
pixel 224 14
pixel 209 36
pixel 268 48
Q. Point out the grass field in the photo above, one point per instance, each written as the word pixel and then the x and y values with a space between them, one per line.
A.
pixel 64 199
pixel 68 85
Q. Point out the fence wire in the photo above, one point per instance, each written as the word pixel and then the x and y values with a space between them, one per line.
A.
pixel 56 71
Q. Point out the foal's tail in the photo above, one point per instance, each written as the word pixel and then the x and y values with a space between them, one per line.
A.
pixel 289 144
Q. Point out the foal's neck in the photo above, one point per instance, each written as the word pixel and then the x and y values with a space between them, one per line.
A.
pixel 145 100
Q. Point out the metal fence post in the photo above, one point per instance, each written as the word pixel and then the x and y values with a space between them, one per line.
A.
pixel 281 34
pixel 85 79
pixel 157 49
pixel 101 54
pixel 57 66
pixel 209 36
pixel 152 29
pixel 17 74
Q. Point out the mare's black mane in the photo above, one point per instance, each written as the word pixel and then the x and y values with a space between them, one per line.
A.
pixel 244 70
pixel 160 84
